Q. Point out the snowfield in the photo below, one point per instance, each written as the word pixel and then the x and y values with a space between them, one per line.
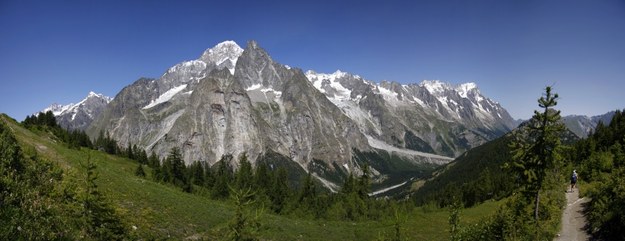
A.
pixel 165 96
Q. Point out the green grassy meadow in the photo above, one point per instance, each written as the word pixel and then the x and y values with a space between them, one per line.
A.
pixel 162 211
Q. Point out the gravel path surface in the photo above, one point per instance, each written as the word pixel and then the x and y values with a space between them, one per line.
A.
pixel 573 220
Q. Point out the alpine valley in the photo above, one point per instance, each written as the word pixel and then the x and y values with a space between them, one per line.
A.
pixel 235 101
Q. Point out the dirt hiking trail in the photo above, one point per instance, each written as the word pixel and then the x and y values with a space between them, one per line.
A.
pixel 573 219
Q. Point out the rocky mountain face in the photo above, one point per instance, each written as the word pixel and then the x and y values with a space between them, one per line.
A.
pixel 235 101
pixel 79 116
pixel 432 116
pixel 583 125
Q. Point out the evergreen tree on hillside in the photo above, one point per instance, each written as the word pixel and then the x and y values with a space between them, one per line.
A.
pixel 223 178
pixel 209 179
pixel 177 166
pixel 139 171
pixel 105 142
pixel 279 193
pixel 141 156
pixel 262 179
pixel 103 222
pixel 197 173
pixel 153 160
pixel 349 186
pixel 130 152
pixel 536 148
pixel 364 183
pixel 166 171
pixel 244 175
pixel 601 161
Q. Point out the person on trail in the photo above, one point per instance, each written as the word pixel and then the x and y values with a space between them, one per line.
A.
pixel 573 180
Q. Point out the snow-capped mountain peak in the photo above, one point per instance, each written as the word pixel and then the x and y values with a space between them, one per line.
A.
pixel 462 102
pixel 314 76
pixel 97 95
pixel 464 89
pixel 330 84
pixel 223 54
pixel 435 87
pixel 57 108
pixel 79 115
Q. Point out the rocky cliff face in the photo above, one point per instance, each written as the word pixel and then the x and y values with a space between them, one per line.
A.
pixel 234 101
pixel 211 112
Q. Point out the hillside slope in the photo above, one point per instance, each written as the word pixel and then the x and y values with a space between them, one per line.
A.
pixel 475 176
pixel 157 210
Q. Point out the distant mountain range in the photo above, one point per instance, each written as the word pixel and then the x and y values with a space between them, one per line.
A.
pixel 80 115
pixel 583 125
pixel 234 101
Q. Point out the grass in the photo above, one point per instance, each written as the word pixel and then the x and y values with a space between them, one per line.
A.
pixel 163 211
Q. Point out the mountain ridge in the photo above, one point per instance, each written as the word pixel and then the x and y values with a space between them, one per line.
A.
pixel 240 101
pixel 80 115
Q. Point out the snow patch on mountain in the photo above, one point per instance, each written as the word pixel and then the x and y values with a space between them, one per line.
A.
pixel 383 190
pixel 186 66
pixel 435 87
pixel 463 89
pixel 388 94
pixel 225 51
pixel 165 96
pixel 57 109
pixel 314 76
pixel 254 87
pixel 375 143
pixel 330 185
pixel 322 81
pixel 362 118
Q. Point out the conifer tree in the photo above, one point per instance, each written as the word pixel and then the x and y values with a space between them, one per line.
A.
pixel 153 160
pixel 244 174
pixel 139 171
pixel 242 226
pixel 223 177
pixel 308 193
pixel 279 190
pixel 209 179
pixel 262 179
pixel 103 222
pixel 536 148
pixel 177 166
pixel 167 171
pixel 197 173
pixel 142 156
pixel 364 183
pixel 349 186
pixel 157 171
pixel 130 152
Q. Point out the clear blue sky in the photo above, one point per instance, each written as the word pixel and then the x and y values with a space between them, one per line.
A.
pixel 58 51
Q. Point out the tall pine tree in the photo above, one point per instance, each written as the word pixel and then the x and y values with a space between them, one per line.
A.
pixel 536 147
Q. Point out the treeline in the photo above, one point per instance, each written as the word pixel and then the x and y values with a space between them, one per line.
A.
pixel 37 203
pixel 270 188
pixel 78 138
pixel 600 162
pixel 47 122
pixel 476 176
pixel 104 142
